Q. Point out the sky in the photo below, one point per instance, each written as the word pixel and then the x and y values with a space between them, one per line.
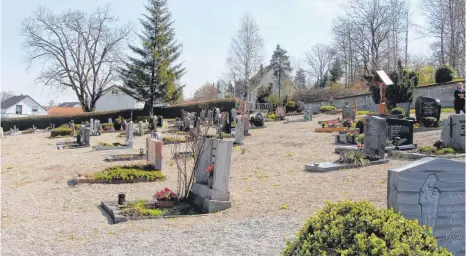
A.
pixel 204 27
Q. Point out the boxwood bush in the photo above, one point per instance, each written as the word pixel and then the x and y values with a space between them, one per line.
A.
pixel 61 131
pixel 430 122
pixel 360 229
pixel 445 73
pixel 360 125
pixel 398 111
pixel 327 108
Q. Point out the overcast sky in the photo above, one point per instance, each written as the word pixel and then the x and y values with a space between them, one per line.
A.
pixel 205 27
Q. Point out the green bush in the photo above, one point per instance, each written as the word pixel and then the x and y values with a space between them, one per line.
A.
pixel 327 108
pixel 360 125
pixel 414 78
pixel 60 131
pixel 353 157
pixel 430 122
pixel 360 138
pixel 427 149
pixel 107 126
pixel 271 116
pixel 398 111
pixel 360 229
pixel 446 151
pixel 129 173
pixel 445 73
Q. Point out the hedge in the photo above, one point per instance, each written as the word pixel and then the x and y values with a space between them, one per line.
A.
pixel 170 112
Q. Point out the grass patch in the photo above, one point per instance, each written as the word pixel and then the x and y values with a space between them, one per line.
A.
pixel 265 175
pixel 289 155
pixel 249 189
pixel 129 173
pixel 140 208
pixel 9 167
pixel 171 163
pixel 284 207
pixel 291 171
pixel 276 185
pixel 243 150
pixel 244 178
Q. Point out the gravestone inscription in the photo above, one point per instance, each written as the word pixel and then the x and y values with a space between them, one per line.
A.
pixel 427 107
pixel 375 129
pixel 400 128
pixel 348 113
pixel 453 132
pixel 432 191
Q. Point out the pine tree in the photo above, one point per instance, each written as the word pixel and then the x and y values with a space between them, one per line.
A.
pixel 280 61
pixel 300 79
pixel 152 74
pixel 336 71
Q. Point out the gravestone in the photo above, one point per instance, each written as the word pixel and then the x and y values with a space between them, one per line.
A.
pixel 86 136
pixel 92 126
pixel 129 134
pixel 432 191
pixel 406 107
pixel 1 131
pixel 453 132
pixel 400 128
pixel 233 115
pixel 348 113
pixel 210 117
pixel 154 152
pixel 375 129
pixel 73 129
pixel 226 122
pixel 239 132
pixel 202 115
pixel 110 121
pixel 211 191
pixel 427 107
pixel 141 128
pixel 97 128
pixel 160 121
pixel 259 120
pixel 280 113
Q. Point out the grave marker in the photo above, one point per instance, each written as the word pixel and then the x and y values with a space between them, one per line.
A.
pixel 400 128
pixel 348 113
pixel 453 132
pixel 239 132
pixel 427 107
pixel 154 152
pixel 129 134
pixel 433 192
pixel 375 133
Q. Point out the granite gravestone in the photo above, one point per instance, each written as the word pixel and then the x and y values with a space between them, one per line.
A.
pixel 400 128
pixel 233 115
pixel 432 191
pixel 406 107
pixel 202 115
pixel 348 113
pixel 210 117
pixel 259 120
pixel 239 132
pixel 375 129
pixel 427 107
pixel 129 134
pixel 453 132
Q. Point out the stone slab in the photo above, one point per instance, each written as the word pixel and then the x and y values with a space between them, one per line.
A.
pixel 211 194
pixel 102 148
pixel 330 130
pixel 332 166
pixel 345 148
pixel 418 156
pixel 208 206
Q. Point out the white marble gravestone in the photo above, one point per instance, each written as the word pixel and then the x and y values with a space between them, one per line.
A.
pixel 453 132
pixel 432 191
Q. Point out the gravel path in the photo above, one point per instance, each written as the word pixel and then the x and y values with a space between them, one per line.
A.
pixel 42 215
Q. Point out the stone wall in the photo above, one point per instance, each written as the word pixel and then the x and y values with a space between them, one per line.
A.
pixel 443 92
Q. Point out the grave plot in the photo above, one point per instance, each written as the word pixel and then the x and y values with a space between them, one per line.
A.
pixel 82 140
pixel 167 140
pixel 432 192
pixel 451 144
pixel 122 174
pixel 350 136
pixel 373 151
pixel 330 126
pixel 126 157
pixel 257 121
pixel 116 145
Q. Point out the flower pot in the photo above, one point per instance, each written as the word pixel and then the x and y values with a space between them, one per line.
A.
pixel 117 126
pixel 165 203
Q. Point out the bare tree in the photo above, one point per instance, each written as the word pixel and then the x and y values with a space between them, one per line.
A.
pixel 78 51
pixel 4 95
pixel 319 58
pixel 206 92
pixel 246 51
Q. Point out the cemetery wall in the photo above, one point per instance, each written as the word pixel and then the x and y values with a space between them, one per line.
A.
pixel 443 92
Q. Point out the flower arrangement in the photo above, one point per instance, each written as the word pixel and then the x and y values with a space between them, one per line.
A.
pixel 210 169
pixel 166 194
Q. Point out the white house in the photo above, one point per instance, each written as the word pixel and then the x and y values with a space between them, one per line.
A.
pixel 22 105
pixel 264 78
pixel 113 98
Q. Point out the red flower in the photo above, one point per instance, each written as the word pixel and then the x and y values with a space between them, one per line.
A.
pixel 210 169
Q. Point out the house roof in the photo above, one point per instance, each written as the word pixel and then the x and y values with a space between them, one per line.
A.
pixel 64 110
pixel 68 104
pixel 256 79
pixel 15 99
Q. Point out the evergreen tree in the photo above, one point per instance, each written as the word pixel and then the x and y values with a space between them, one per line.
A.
pixel 300 79
pixel 152 74
pixel 280 62
pixel 336 71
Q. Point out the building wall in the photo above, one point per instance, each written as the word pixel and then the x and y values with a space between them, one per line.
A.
pixel 110 101
pixel 266 81
pixel 443 92
pixel 27 107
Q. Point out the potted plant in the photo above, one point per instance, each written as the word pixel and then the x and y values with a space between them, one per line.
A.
pixel 165 198
pixel 117 123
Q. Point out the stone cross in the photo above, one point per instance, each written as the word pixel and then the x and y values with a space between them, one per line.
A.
pixel 453 132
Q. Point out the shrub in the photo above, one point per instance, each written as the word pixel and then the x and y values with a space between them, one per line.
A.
pixel 129 173
pixel 427 149
pixel 446 151
pixel 272 116
pixel 444 73
pixel 327 108
pixel 360 125
pixel 107 126
pixel 360 229
pixel 414 78
pixel 402 89
pixel 360 138
pixel 430 122
pixel 398 111
pixel 60 131
pixel 353 157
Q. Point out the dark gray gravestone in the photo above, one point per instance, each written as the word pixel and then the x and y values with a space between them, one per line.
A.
pixel 259 120
pixel 375 129
pixel 400 128
pixel 348 113
pixel 453 132
pixel 427 107
pixel 432 191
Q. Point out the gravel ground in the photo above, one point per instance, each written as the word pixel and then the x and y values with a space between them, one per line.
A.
pixel 42 215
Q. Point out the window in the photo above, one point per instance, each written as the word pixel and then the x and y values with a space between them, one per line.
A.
pixel 19 109
pixel 35 108
pixel 114 91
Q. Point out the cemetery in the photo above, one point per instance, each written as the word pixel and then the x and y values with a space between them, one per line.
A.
pixel 226 180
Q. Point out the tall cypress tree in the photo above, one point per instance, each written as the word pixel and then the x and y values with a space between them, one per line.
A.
pixel 153 73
